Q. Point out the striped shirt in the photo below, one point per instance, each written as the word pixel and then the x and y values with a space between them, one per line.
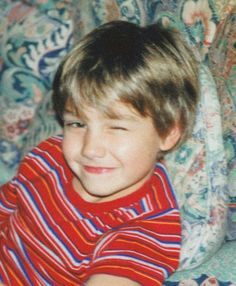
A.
pixel 50 236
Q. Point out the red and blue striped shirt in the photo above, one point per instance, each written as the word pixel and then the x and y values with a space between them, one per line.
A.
pixel 50 236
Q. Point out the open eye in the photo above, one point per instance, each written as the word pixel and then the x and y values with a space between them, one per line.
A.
pixel 74 124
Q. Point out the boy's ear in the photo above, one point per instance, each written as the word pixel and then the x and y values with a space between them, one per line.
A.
pixel 171 139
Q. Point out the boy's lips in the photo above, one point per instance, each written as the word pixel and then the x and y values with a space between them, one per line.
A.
pixel 98 170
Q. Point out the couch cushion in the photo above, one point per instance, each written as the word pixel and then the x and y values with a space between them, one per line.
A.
pixel 222 61
pixel 33 41
pixel 198 171
pixel 220 269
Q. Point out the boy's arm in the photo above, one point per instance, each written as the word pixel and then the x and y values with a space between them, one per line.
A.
pixel 107 280
pixel 144 252
pixel 8 202
pixel 27 171
pixel 110 280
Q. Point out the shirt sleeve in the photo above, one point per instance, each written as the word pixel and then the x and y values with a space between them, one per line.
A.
pixel 146 251
pixel 8 202
pixel 9 191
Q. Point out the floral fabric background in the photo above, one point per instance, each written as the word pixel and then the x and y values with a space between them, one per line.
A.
pixel 33 39
pixel 35 35
pixel 220 271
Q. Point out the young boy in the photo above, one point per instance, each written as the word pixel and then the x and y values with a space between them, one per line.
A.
pixel 95 207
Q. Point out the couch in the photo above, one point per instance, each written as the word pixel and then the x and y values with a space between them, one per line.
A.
pixel 36 34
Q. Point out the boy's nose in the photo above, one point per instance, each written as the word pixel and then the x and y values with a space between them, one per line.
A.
pixel 93 145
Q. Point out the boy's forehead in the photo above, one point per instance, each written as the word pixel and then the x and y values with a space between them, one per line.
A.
pixel 114 110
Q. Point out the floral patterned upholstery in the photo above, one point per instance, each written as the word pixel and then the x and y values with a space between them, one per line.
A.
pixel 202 170
pixel 33 40
pixel 217 271
pixel 222 61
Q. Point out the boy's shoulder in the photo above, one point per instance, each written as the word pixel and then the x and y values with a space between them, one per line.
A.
pixel 49 147
pixel 46 156
pixel 50 143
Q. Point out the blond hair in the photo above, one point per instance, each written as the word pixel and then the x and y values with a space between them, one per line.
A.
pixel 150 68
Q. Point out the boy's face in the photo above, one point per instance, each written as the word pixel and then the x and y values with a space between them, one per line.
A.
pixel 110 157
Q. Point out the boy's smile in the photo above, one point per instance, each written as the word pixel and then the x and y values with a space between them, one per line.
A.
pixel 97 170
pixel 110 157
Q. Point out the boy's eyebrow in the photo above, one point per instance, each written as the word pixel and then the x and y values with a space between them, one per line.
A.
pixel 128 117
pixel 70 114
pixel 69 110
pixel 113 115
